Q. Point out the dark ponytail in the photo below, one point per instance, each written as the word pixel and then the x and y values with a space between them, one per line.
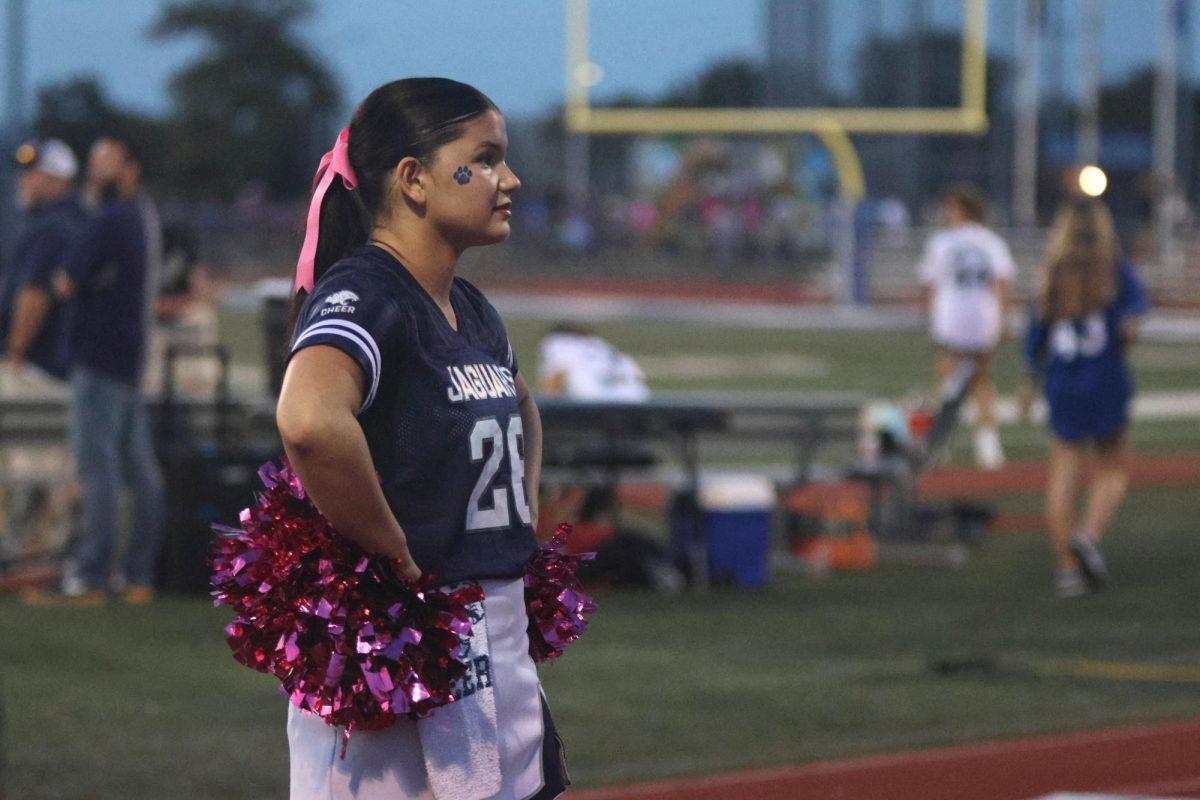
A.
pixel 410 117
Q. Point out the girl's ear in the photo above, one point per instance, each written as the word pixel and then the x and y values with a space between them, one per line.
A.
pixel 411 180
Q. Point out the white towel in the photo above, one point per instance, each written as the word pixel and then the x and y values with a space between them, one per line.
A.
pixel 460 741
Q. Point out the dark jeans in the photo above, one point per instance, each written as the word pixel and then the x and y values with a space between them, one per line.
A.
pixel 110 432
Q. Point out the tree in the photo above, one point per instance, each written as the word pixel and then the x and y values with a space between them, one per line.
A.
pixel 733 83
pixel 255 106
pixel 79 111
pixel 1126 106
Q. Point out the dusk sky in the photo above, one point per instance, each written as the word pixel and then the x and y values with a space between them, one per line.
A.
pixel 514 51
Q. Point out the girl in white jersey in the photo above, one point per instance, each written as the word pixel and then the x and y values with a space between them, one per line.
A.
pixel 967 273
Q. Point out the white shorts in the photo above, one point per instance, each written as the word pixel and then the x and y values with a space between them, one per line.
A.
pixel 390 765
pixel 966 325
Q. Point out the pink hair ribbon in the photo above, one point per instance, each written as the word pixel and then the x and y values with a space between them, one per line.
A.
pixel 335 162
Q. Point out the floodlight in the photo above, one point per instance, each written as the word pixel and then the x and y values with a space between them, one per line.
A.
pixel 1092 181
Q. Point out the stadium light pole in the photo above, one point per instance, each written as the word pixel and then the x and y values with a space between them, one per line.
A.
pixel 577 170
pixel 1025 143
pixel 1087 134
pixel 576 156
pixel 14 117
pixel 1166 100
pixel 15 45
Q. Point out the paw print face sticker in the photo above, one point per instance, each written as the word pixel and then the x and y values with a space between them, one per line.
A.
pixel 463 175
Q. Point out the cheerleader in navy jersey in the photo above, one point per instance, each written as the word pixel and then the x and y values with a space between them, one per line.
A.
pixel 405 415
pixel 1089 302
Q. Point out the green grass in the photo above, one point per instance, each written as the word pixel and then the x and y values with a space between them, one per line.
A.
pixel 816 669
pixel 884 364
pixel 134 703
pixel 147 703
pixel 878 364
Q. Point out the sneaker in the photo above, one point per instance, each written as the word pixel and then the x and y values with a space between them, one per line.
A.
pixel 42 598
pixel 138 595
pixel 1091 563
pixel 988 452
pixel 1068 583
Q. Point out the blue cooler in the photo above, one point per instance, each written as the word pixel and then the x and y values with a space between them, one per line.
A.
pixel 737 513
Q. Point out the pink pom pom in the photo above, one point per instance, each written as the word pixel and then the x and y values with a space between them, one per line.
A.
pixel 348 639
pixel 553 599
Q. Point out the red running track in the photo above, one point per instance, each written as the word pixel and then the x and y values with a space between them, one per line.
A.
pixel 1160 760
pixel 1030 476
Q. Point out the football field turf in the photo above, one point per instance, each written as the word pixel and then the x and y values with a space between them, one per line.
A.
pixel 147 702
pixel 883 364
pixel 692 356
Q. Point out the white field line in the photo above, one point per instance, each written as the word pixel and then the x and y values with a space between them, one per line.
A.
pixel 1146 405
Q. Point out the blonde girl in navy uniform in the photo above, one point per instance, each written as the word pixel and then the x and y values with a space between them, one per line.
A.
pixel 1088 307
pixel 404 413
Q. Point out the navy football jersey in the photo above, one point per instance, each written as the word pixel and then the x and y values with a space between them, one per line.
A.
pixel 1088 385
pixel 439 412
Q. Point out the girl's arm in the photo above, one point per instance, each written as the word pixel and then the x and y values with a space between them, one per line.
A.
pixel 1037 338
pixel 1004 293
pixel 1130 327
pixel 531 424
pixel 322 390
pixel 1133 304
pixel 1034 357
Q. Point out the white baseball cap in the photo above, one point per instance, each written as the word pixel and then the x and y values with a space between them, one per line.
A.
pixel 51 156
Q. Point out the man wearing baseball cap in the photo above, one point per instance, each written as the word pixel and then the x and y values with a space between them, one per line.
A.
pixel 32 321
pixel 110 276
pixel 34 335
